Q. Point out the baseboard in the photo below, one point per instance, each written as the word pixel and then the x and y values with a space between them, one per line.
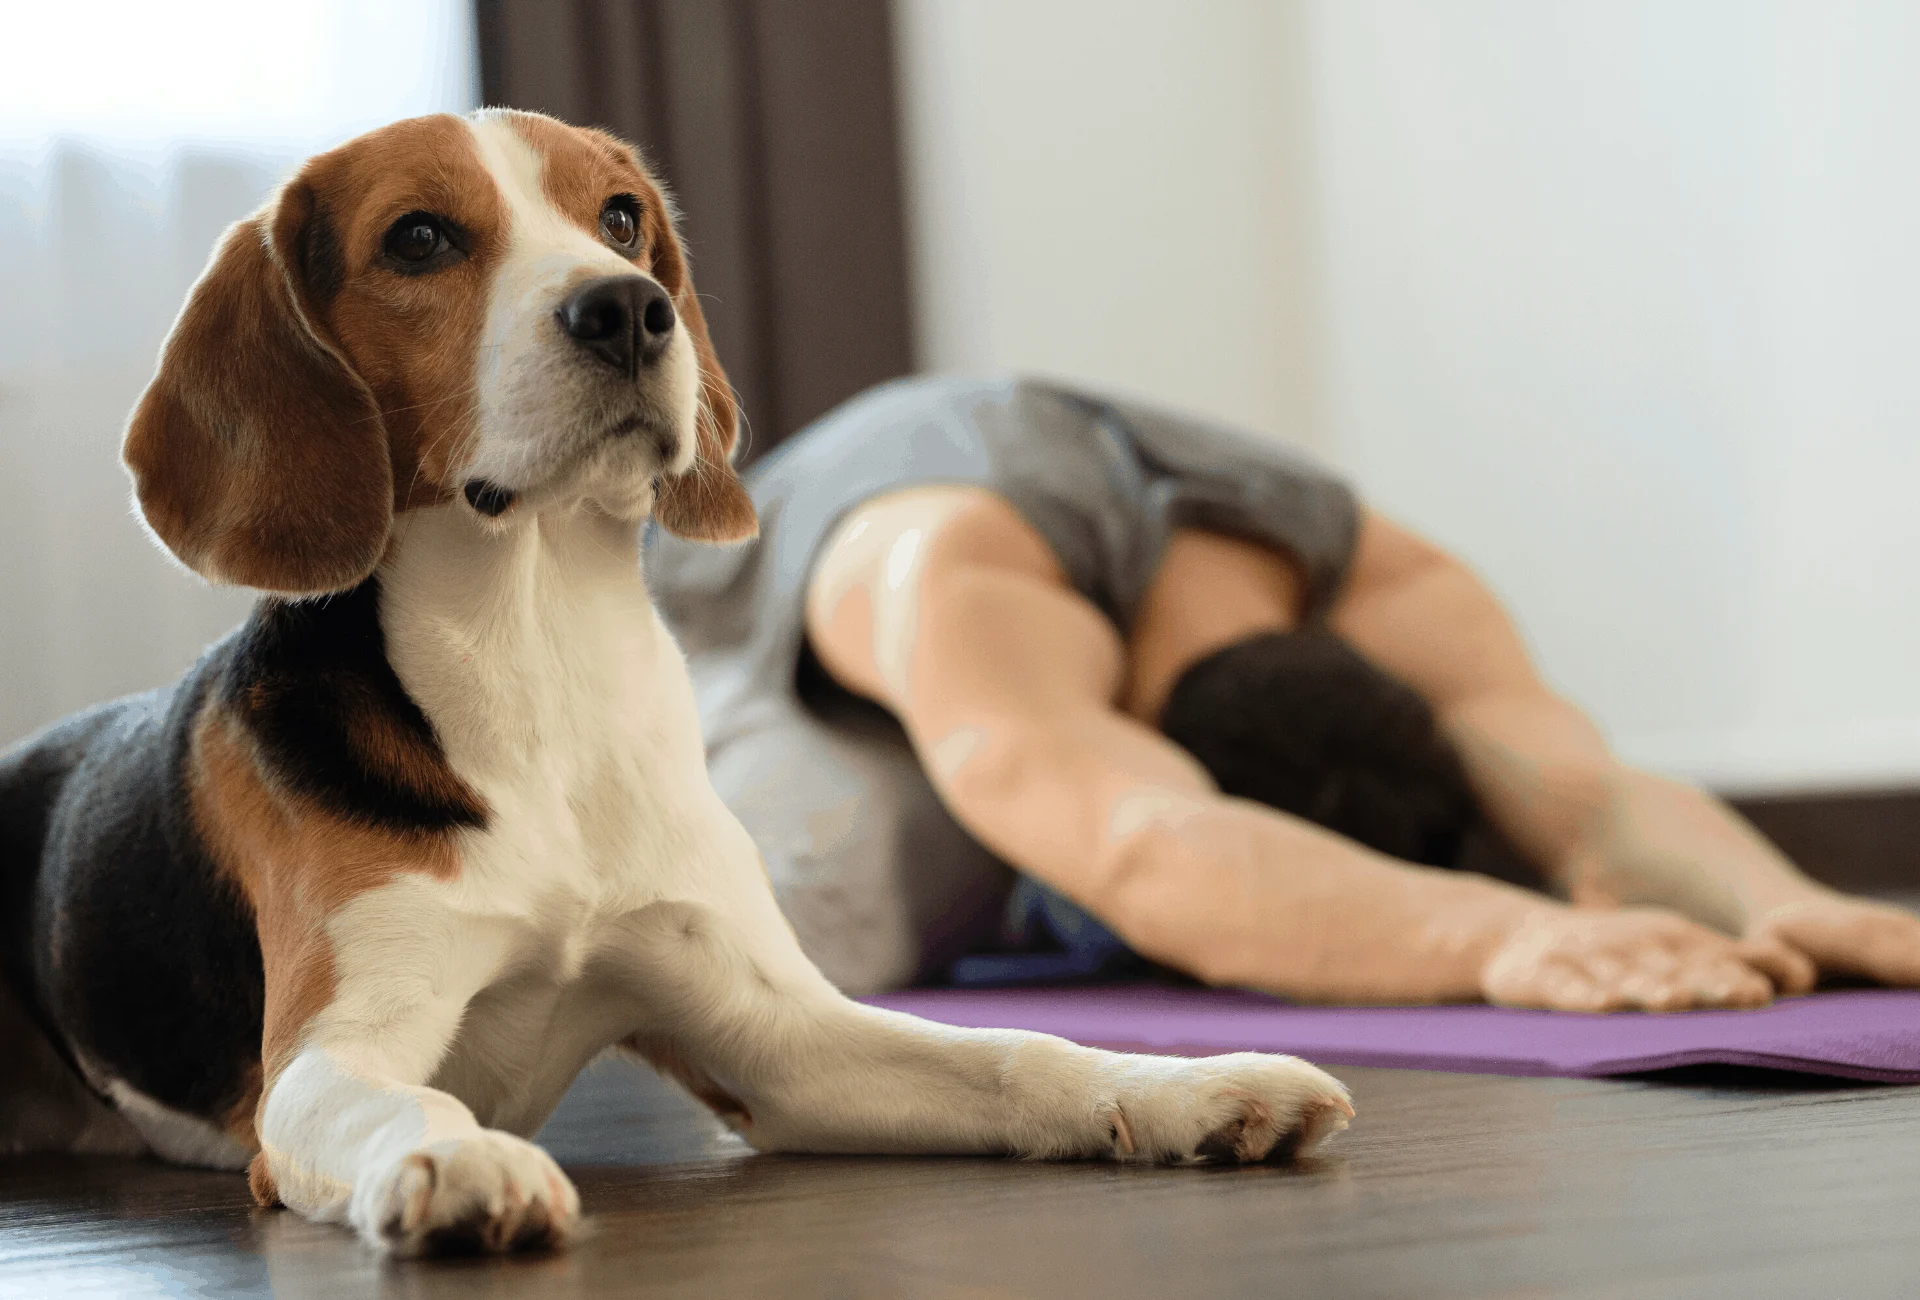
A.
pixel 1848 756
pixel 1860 841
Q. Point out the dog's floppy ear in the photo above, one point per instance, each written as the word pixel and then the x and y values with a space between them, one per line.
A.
pixel 708 503
pixel 258 456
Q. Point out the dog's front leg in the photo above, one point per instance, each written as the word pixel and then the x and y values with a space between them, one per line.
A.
pixel 346 1137
pixel 350 1133
pixel 739 1016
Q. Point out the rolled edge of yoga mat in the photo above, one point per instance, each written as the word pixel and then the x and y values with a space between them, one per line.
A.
pixel 1863 1034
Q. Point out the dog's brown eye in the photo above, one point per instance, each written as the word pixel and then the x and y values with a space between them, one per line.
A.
pixel 416 239
pixel 620 220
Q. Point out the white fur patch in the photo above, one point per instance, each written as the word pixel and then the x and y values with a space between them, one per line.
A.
pixel 541 431
pixel 185 1139
pixel 326 1122
pixel 170 1134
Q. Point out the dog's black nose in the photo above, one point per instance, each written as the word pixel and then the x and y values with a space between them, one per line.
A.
pixel 625 320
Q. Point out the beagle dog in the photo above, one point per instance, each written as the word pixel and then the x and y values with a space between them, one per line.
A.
pixel 351 904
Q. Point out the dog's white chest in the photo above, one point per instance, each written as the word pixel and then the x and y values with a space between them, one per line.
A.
pixel 559 697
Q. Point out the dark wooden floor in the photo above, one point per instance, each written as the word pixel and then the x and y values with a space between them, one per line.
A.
pixel 1448 1185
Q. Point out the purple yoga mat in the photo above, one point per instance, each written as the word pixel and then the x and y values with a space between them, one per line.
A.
pixel 1855 1034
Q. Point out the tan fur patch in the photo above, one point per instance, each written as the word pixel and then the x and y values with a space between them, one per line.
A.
pixel 251 463
pixel 266 1192
pixel 413 340
pixel 278 464
pixel 397 756
pixel 668 1060
pixel 239 1119
pixel 295 864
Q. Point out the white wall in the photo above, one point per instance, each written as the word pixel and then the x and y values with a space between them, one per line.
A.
pixel 1616 298
pixel 1086 185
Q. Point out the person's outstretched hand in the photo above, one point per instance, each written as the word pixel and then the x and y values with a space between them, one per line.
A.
pixel 1847 936
pixel 1640 959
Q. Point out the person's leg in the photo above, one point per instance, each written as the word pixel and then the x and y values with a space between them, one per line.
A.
pixel 880 885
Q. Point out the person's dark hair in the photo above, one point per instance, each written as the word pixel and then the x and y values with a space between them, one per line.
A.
pixel 1301 722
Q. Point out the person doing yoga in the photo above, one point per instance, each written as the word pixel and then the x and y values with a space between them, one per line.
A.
pixel 1022 682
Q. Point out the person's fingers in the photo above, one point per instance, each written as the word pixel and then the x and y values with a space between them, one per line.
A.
pixel 1552 984
pixel 1792 971
pixel 1606 969
pixel 1712 976
pixel 1641 959
pixel 1645 989
pixel 1888 950
pixel 1572 991
pixel 1748 988
pixel 1661 961
pixel 1851 937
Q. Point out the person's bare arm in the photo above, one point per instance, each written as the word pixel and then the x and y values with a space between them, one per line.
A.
pixel 944 606
pixel 1606 834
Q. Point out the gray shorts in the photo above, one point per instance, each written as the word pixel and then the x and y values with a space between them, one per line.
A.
pixel 851 832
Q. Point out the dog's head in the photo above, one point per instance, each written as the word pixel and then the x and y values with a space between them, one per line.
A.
pixel 492 310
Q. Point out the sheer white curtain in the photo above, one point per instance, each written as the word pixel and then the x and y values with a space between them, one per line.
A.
pixel 127 143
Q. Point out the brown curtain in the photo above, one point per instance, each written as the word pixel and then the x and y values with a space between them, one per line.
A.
pixel 774 124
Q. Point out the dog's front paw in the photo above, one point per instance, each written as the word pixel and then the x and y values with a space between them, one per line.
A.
pixel 490 1192
pixel 1242 1107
